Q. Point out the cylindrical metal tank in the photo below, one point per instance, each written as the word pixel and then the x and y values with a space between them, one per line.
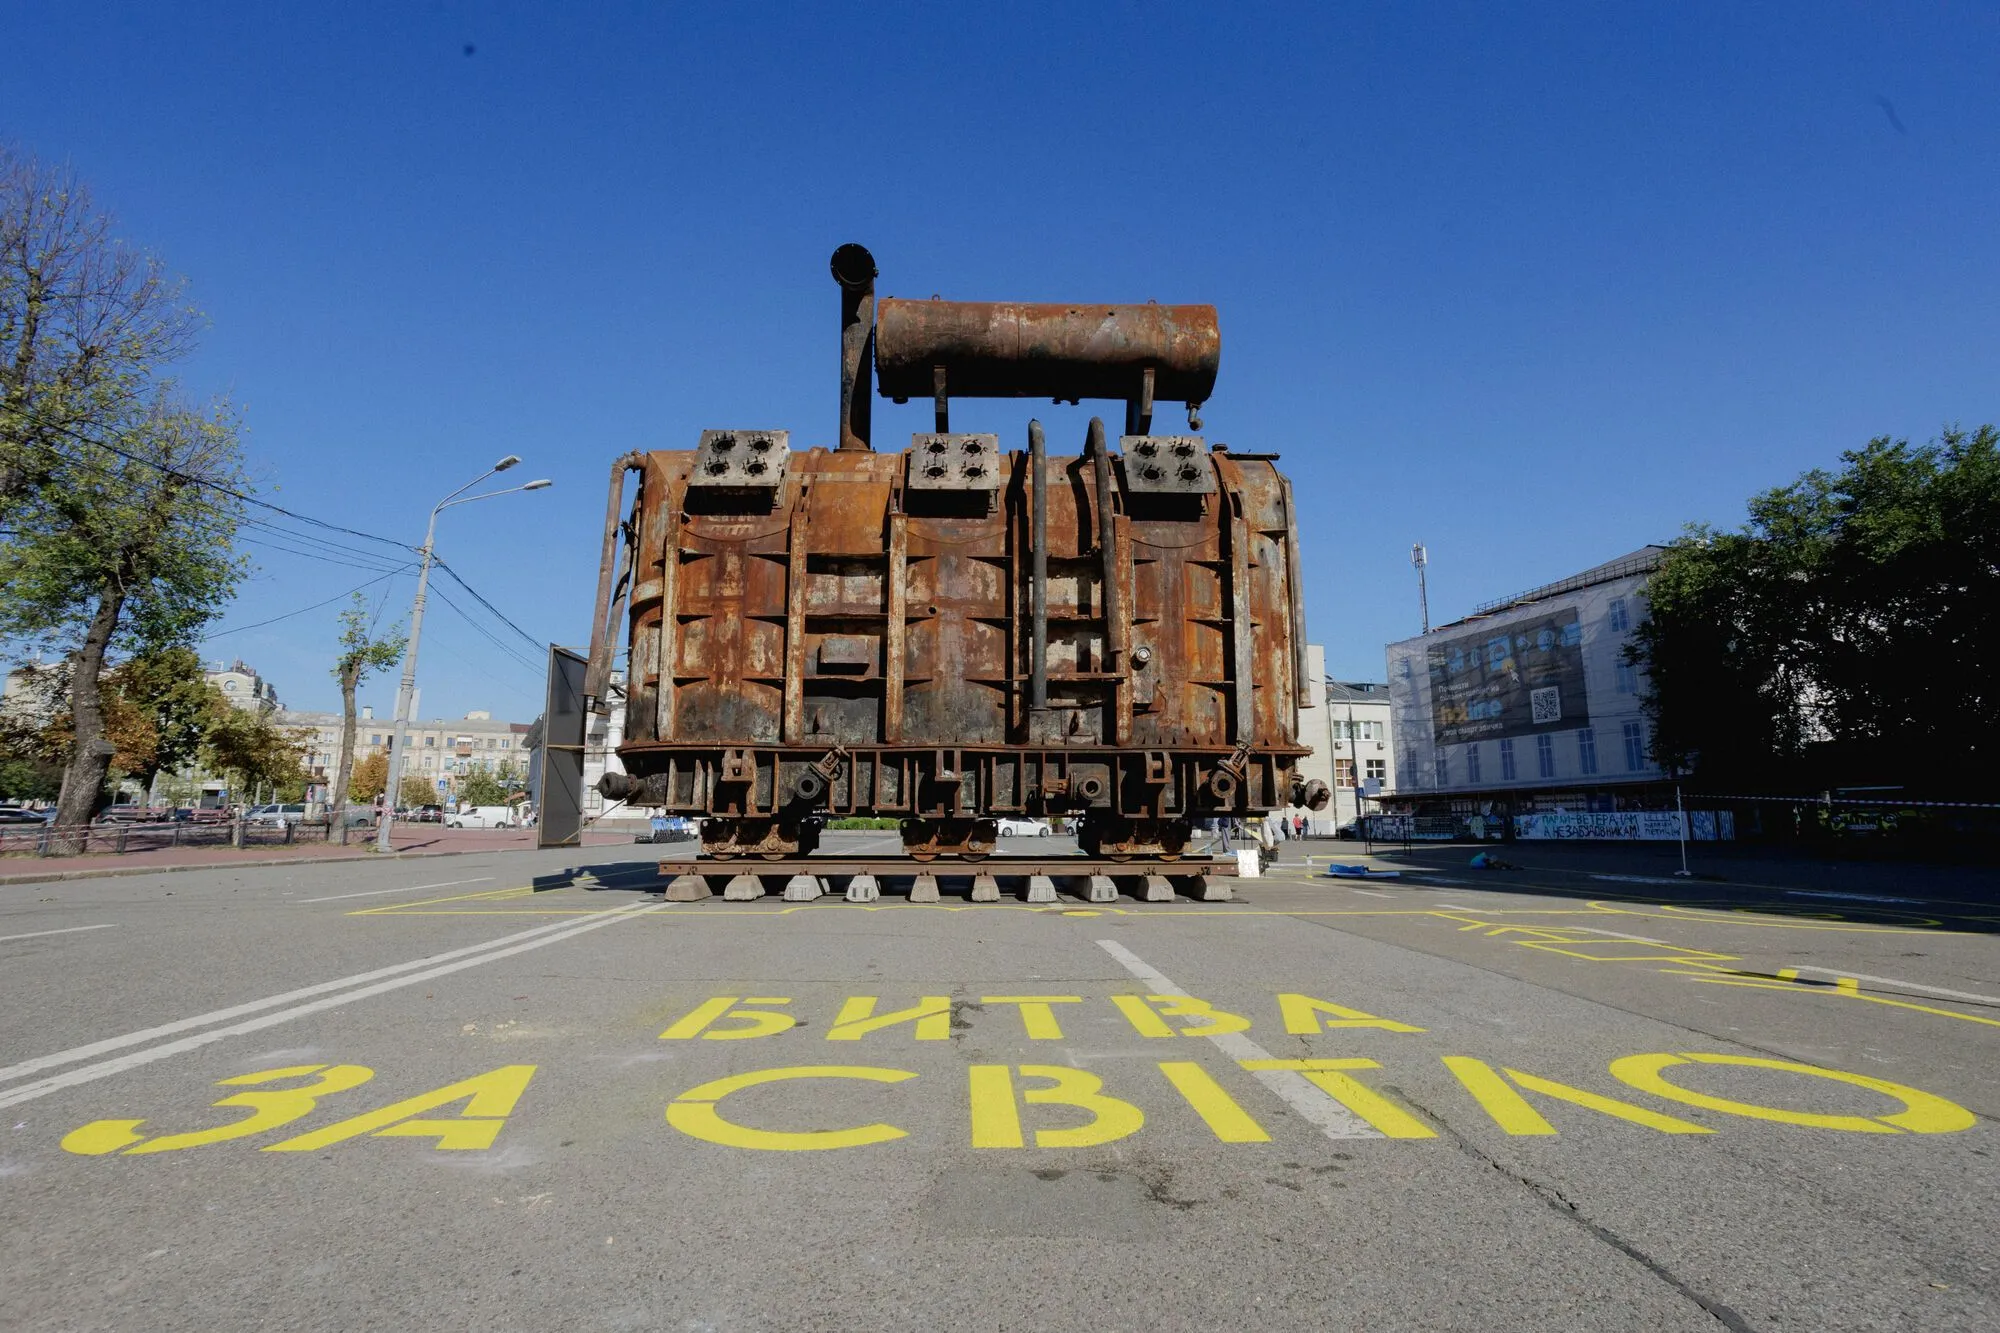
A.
pixel 1008 349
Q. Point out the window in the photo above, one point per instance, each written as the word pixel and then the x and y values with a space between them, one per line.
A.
pixel 1410 759
pixel 1443 769
pixel 1635 746
pixel 505 744
pixel 1343 772
pixel 1472 762
pixel 1545 755
pixel 1620 622
pixel 1628 679
pixel 1586 751
pixel 375 740
pixel 430 740
pixel 1378 770
pixel 1507 761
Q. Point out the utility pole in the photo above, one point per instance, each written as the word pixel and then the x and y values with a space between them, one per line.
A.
pixel 399 735
pixel 1420 558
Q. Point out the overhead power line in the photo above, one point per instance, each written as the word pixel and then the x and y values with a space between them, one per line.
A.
pixel 220 634
pixel 207 482
pixel 538 644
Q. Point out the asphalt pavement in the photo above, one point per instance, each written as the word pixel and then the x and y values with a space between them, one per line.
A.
pixel 518 1090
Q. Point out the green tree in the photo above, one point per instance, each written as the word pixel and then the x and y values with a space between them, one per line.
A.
pixel 1845 634
pixel 163 697
pixel 123 547
pixel 87 323
pixel 362 654
pixel 417 792
pixel 481 788
pixel 254 751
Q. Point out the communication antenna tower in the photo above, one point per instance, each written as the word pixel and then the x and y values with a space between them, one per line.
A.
pixel 1419 557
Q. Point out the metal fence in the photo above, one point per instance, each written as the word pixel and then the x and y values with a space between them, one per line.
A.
pixel 121 839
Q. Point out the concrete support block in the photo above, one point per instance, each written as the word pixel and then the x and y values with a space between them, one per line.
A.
pixel 863 889
pixel 924 889
pixel 1041 889
pixel 687 889
pixel 804 888
pixel 1159 889
pixel 1100 889
pixel 985 889
pixel 1215 888
pixel 743 889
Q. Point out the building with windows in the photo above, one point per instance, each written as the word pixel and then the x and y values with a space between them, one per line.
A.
pixel 1529 705
pixel 1350 726
pixel 442 751
pixel 242 686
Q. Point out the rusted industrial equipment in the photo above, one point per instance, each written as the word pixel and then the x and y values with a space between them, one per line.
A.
pixel 960 631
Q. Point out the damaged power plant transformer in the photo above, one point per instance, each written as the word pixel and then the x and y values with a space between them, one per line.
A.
pixel 962 630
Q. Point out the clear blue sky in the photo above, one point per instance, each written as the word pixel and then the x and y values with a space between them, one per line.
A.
pixel 1532 284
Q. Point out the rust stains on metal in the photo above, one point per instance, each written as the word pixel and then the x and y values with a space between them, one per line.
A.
pixel 1011 630
pixel 1007 349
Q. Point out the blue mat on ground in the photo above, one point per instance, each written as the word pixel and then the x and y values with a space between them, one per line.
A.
pixel 1359 872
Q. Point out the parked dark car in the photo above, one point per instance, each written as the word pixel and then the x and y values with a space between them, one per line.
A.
pixel 14 814
pixel 198 814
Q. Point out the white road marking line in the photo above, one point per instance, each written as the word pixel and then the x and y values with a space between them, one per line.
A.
pixel 1334 1120
pixel 1853 897
pixel 1637 879
pixel 1373 893
pixel 106 1068
pixel 66 930
pixel 71 1056
pixel 413 888
pixel 1621 935
pixel 1966 995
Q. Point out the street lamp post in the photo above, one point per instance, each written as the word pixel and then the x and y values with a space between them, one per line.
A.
pixel 399 736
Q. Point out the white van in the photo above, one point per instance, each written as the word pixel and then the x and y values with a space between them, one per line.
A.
pixel 482 816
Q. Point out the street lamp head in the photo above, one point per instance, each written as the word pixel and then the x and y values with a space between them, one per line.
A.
pixel 506 462
pixel 543 484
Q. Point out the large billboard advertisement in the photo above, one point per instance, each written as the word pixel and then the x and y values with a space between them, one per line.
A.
pixel 1511 680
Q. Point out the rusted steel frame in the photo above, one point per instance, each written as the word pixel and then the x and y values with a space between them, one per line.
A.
pixel 1038 584
pixel 667 691
pixel 603 643
pixel 854 269
pixel 1295 593
pixel 793 723
pixel 1128 592
pixel 1117 634
pixel 1242 651
pixel 1011 349
pixel 892 635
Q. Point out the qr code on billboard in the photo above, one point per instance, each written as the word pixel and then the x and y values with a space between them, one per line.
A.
pixel 1545 705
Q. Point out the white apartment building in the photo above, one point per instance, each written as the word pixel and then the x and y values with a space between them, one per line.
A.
pixel 1350 728
pixel 242 686
pixel 441 751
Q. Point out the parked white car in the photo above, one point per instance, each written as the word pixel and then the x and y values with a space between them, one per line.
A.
pixel 276 816
pixel 1023 828
pixel 482 816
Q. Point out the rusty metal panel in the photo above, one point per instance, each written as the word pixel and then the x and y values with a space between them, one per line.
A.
pixel 747 459
pixel 1167 464
pixel 955 463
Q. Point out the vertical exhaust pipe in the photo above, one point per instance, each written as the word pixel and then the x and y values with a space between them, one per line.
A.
pixel 854 269
pixel 603 635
